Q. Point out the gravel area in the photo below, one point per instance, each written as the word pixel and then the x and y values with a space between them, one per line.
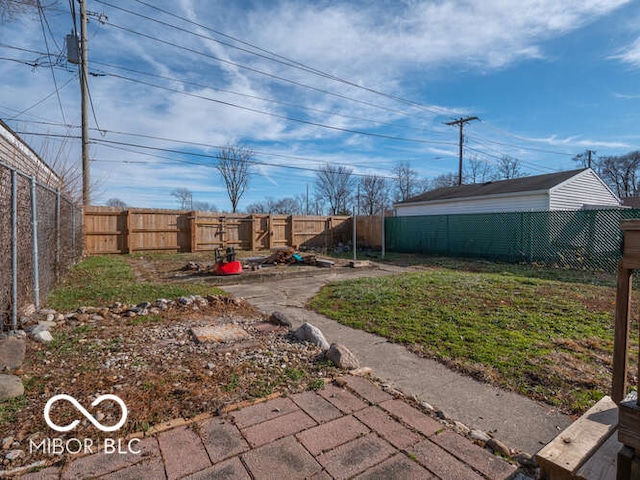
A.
pixel 153 362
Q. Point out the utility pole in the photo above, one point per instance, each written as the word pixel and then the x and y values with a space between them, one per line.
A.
pixel 460 122
pixel 84 88
pixel 589 153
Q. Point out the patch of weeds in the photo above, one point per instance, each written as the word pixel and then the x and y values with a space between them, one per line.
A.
pixel 113 345
pixel 315 385
pixel 233 383
pixel 294 374
pixel 261 388
pixel 9 408
pixel 33 385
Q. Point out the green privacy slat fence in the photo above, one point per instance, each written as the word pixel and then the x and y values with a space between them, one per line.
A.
pixel 572 239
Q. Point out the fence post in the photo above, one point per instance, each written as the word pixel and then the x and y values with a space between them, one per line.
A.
pixel 126 233
pixel 193 226
pixel 382 236
pixel 354 221
pixel 58 224
pixel 292 240
pixel 14 250
pixel 269 232
pixel 34 231
pixel 73 231
pixel 252 232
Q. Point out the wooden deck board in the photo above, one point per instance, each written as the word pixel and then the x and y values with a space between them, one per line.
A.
pixel 602 465
pixel 563 456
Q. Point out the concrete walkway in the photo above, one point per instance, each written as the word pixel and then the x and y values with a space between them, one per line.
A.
pixel 353 430
pixel 516 420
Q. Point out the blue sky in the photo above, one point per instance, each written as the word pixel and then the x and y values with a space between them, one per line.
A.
pixel 547 79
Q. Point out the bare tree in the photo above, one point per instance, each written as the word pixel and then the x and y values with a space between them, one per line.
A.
pixel 443 181
pixel 234 164
pixel 508 168
pixel 184 198
pixel 405 181
pixel 478 171
pixel 116 202
pixel 204 206
pixel 621 173
pixel 373 194
pixel 9 9
pixel 335 184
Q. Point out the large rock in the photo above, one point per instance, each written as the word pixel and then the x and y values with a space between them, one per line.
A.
pixel 279 318
pixel 10 386
pixel 311 334
pixel 342 357
pixel 12 352
pixel 42 336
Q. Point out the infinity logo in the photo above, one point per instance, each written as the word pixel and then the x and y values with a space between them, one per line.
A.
pixel 82 410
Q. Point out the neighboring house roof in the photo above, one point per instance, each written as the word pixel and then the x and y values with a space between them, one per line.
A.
pixel 536 183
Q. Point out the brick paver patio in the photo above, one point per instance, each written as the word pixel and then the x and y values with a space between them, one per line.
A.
pixel 349 430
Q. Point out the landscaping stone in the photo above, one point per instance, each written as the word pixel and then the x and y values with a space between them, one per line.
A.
pixel 10 387
pixel 427 407
pixel 12 351
pixel 43 336
pixel 219 333
pixel 279 318
pixel 13 454
pixel 342 357
pixel 442 415
pixel 498 447
pixel 525 460
pixel 479 436
pixel 462 428
pixel 6 443
pixel 43 326
pixel 311 334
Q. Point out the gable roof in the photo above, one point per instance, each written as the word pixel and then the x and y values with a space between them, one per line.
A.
pixel 524 184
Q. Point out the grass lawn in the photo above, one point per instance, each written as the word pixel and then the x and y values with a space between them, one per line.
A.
pixel 548 339
pixel 103 280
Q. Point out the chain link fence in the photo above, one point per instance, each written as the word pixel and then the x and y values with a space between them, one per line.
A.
pixel 40 238
pixel 583 239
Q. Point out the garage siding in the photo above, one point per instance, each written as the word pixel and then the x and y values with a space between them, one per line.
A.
pixel 532 202
pixel 585 189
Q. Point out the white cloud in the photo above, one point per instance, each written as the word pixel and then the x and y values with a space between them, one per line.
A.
pixel 630 54
pixel 369 36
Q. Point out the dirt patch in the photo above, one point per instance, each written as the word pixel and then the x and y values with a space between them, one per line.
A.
pixel 171 269
pixel 156 366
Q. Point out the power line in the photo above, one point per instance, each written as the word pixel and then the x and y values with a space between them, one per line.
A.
pixel 285 117
pixel 46 43
pixel 271 56
pixel 255 70
pixel 246 95
pixel 111 143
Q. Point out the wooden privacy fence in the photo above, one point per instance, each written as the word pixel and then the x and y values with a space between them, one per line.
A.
pixel 113 230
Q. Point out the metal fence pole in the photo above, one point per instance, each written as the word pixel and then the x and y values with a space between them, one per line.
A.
pixel 382 230
pixel 57 264
pixel 14 250
pixel 73 230
pixel 34 227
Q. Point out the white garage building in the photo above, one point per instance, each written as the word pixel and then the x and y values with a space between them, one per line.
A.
pixel 571 190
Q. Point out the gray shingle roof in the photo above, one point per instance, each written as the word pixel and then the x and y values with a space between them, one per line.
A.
pixel 524 184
